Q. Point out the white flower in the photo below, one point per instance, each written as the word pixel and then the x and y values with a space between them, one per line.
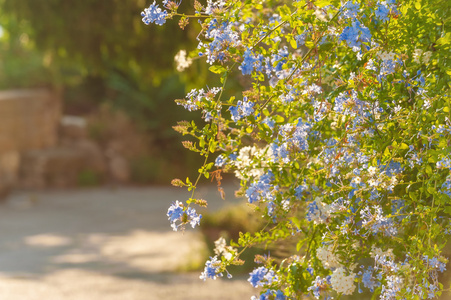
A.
pixel 182 61
pixel 327 257
pixel 372 170
pixel 357 180
pixel 419 56
pixel 321 15
pixel 245 165
pixel 373 182
pixel 426 56
pixel 416 55
pixel 375 251
pixel 397 109
pixel 222 248
pixel 359 56
pixel 341 282
pixel 370 65
pixel 386 55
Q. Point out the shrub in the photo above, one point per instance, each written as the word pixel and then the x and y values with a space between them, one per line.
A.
pixel 340 140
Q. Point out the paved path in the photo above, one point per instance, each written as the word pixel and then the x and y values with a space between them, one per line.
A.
pixel 104 244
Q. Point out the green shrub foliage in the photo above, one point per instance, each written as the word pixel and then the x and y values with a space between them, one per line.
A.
pixel 341 140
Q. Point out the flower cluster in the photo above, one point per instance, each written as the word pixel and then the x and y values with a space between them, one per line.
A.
pixel 178 213
pixel 154 14
pixel 182 61
pixel 341 282
pixel 212 269
pixel 262 276
pixel 340 138
pixel 243 109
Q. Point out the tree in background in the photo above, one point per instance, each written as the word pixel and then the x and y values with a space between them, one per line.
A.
pixel 97 51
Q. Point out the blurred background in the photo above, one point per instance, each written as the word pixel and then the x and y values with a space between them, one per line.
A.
pixel 87 153
pixel 100 87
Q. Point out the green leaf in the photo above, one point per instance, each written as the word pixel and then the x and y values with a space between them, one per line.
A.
pixel 428 169
pixel 217 69
pixel 279 119
pixel 404 146
pixel 212 147
pixel 418 5
pixel 322 3
pixel 309 44
pixel 201 142
pixel 445 39
pixel 326 46
pixel 293 43
pixel 376 293
pixel 448 210
pixel 386 152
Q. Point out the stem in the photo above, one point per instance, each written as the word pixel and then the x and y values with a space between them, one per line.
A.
pixel 195 16
pixel 311 49
pixel 200 175
pixel 272 30
pixel 252 242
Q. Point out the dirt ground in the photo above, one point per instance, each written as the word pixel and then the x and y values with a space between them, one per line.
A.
pixel 104 244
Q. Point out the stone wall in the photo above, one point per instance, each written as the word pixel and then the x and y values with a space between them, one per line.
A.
pixel 41 148
pixel 29 119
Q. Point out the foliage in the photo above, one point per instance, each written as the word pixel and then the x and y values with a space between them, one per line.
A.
pixel 95 36
pixel 225 225
pixel 340 140
pixel 21 65
pixel 98 52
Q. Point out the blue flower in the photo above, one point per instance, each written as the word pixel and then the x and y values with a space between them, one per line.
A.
pixel 243 109
pixel 387 67
pixel 175 213
pixel 356 34
pixel 280 58
pixel 280 152
pixel 234 111
pixel 271 295
pixel 300 39
pixel 318 285
pixel 350 10
pixel 377 222
pixel 446 188
pixel 382 12
pixel 233 156
pixel 211 269
pixel 154 14
pixel 220 161
pixel 193 217
pixel 247 66
pixel 368 279
pixel 313 212
pixel 270 122
pixel 261 189
pixel 222 37
pixel 261 276
pixel 392 287
pixel 393 168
